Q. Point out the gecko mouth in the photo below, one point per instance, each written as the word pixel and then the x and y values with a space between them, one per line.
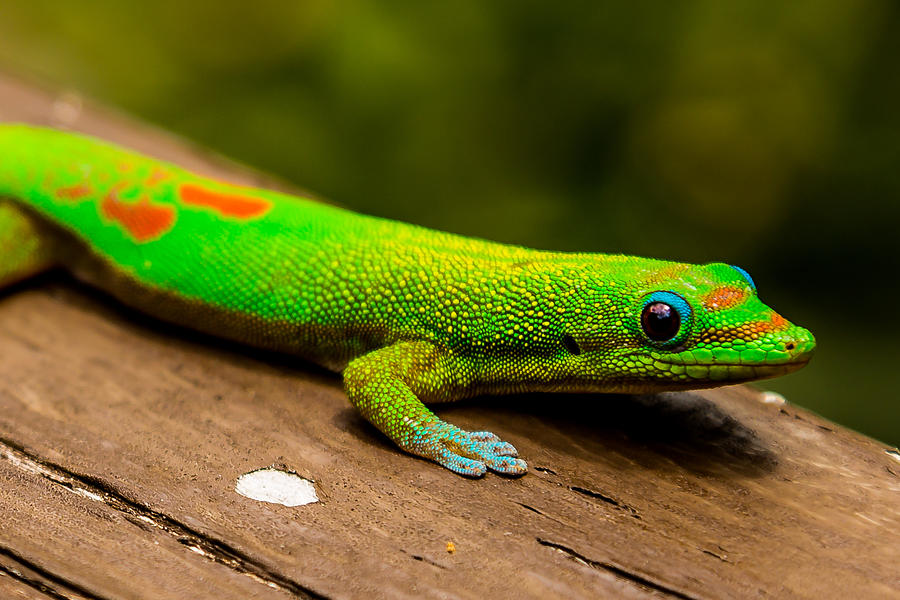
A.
pixel 789 357
pixel 736 372
pixel 791 362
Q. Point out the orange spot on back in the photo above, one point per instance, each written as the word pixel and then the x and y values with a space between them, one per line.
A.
pixel 143 221
pixel 724 296
pixel 74 192
pixel 156 176
pixel 229 205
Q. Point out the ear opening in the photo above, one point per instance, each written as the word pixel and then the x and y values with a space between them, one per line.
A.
pixel 571 345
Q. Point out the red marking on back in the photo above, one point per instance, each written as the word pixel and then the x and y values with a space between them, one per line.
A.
pixel 125 167
pixel 74 192
pixel 724 296
pixel 156 176
pixel 229 205
pixel 142 220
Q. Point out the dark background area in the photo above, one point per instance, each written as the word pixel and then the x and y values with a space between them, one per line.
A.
pixel 758 134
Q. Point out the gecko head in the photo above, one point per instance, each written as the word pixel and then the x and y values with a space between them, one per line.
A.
pixel 692 326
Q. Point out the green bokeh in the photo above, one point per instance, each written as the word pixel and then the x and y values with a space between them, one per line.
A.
pixel 761 134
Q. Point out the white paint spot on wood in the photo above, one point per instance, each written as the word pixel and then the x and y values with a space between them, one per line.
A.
pixel 772 398
pixel 277 487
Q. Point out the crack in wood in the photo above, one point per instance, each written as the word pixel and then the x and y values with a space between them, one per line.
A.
pixel 531 508
pixel 136 513
pixel 38 578
pixel 540 512
pixel 721 557
pixel 608 499
pixel 620 572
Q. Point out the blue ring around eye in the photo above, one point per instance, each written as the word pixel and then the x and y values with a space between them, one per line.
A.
pixel 685 312
pixel 745 275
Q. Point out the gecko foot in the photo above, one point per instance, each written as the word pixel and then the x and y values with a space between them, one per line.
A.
pixel 469 453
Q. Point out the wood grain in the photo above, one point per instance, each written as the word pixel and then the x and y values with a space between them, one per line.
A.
pixel 121 439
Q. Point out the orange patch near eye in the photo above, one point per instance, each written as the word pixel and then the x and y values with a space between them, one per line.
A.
pixel 774 323
pixel 75 192
pixel 142 220
pixel 751 330
pixel 724 296
pixel 229 205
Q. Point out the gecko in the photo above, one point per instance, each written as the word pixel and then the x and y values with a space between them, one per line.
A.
pixel 407 315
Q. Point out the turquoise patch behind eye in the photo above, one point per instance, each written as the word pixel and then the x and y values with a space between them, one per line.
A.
pixel 745 275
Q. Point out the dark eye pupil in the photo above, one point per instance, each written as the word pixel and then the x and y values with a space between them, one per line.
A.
pixel 660 321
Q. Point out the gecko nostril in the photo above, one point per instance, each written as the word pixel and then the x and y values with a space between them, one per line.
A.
pixel 789 346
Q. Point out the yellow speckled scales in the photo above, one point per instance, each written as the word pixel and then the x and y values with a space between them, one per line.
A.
pixel 408 314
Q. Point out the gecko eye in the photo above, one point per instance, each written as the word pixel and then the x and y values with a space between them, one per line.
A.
pixel 663 316
pixel 660 321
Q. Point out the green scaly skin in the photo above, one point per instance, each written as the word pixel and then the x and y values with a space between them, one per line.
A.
pixel 408 315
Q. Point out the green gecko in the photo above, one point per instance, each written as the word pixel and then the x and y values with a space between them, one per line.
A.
pixel 408 315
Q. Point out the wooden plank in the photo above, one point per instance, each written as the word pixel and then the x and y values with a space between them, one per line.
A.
pixel 69 537
pixel 695 495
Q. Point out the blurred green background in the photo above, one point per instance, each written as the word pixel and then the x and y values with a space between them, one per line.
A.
pixel 761 134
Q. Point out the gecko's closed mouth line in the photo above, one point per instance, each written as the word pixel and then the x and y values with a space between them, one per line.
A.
pixel 789 363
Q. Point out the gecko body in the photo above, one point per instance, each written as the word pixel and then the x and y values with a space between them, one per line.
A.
pixel 408 315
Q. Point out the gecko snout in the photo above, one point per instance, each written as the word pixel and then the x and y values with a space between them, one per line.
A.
pixel 800 346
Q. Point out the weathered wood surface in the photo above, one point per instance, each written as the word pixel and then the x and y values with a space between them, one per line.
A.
pixel 121 439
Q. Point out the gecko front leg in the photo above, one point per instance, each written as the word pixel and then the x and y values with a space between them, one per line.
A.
pixel 388 386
